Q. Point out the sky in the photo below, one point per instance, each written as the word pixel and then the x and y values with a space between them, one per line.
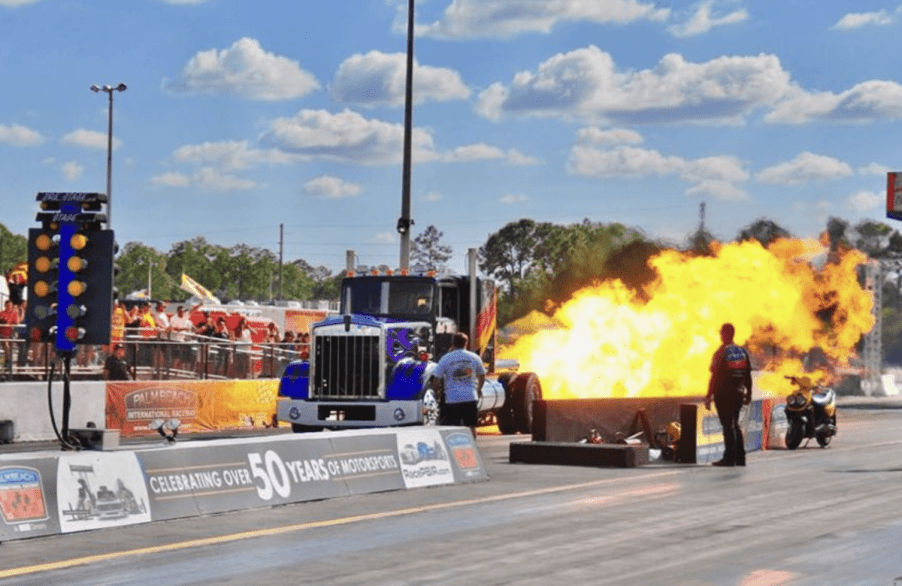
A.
pixel 240 117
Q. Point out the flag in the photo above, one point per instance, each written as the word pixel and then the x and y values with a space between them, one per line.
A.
pixel 196 289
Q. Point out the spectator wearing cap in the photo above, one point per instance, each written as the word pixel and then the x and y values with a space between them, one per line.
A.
pixel 115 367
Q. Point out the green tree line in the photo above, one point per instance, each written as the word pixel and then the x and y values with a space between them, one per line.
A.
pixel 538 265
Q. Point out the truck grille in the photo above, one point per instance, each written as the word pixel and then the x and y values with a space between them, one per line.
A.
pixel 346 367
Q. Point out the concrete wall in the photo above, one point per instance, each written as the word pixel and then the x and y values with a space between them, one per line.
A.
pixel 26 405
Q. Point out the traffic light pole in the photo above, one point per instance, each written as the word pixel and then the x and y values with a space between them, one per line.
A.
pixel 67 399
pixel 70 260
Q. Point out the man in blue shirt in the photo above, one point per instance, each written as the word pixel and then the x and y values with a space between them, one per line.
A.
pixel 459 377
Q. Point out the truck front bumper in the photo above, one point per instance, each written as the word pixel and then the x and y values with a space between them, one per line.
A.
pixel 349 414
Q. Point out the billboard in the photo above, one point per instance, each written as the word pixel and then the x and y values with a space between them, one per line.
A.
pixel 894 195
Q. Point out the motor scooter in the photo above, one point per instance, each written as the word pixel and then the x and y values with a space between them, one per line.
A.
pixel 810 412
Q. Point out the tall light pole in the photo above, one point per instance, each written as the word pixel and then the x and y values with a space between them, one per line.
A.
pixel 109 149
pixel 405 221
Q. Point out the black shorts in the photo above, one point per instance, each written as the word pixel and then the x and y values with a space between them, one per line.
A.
pixel 466 413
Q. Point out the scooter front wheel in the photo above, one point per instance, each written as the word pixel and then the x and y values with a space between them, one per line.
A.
pixel 794 434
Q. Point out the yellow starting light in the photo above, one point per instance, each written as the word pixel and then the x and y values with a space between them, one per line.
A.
pixel 42 288
pixel 43 242
pixel 78 241
pixel 77 264
pixel 43 264
pixel 77 288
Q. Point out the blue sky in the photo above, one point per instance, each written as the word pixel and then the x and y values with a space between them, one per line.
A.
pixel 241 116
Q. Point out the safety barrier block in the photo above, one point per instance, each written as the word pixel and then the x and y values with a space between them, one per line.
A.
pixel 576 454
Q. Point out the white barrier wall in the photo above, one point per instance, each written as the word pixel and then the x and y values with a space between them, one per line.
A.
pixel 26 405
pixel 46 493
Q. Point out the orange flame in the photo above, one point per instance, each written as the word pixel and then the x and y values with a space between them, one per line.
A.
pixel 608 342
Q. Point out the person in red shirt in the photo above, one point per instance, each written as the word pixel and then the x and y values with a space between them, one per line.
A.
pixel 9 317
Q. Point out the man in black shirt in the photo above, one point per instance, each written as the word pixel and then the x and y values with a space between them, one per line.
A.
pixel 730 387
pixel 115 367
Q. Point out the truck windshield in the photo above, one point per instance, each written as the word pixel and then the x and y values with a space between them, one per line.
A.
pixel 388 297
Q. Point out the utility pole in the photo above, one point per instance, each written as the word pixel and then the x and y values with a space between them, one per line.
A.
pixel 281 242
pixel 405 221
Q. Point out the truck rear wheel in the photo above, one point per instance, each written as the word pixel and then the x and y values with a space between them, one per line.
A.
pixel 504 416
pixel 527 390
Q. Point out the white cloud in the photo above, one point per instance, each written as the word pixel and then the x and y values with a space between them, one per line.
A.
pixel 379 79
pixel 485 152
pixel 206 178
pixel 715 176
pixel 805 167
pixel 15 3
pixel 855 20
pixel 512 198
pixel 596 136
pixel 347 137
pixel 874 169
pixel 865 201
pixel 72 170
pixel 385 238
pixel 866 101
pixel 507 18
pixel 703 20
pixel 228 155
pixel 171 179
pixel 90 139
pixel 20 136
pixel 331 187
pixel 243 70
pixel 585 84
pixel 433 196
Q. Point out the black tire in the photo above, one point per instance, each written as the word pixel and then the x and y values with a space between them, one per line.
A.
pixel 298 428
pixel 527 391
pixel 794 434
pixel 505 415
pixel 823 439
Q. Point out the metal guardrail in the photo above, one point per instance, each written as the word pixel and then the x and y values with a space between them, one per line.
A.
pixel 198 357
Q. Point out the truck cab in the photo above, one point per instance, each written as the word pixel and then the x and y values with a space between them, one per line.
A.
pixel 371 366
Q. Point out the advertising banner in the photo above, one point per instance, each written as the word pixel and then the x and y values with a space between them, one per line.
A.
pixel 709 432
pixel 61 493
pixel 199 405
pixel 776 423
pixel 28 498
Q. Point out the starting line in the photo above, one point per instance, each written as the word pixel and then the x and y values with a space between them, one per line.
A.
pixel 62 492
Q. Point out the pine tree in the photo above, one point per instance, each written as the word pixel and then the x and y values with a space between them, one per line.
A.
pixel 428 249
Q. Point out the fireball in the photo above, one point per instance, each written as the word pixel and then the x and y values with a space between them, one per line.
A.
pixel 785 300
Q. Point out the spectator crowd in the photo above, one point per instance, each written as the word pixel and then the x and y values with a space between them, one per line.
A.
pixel 146 341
